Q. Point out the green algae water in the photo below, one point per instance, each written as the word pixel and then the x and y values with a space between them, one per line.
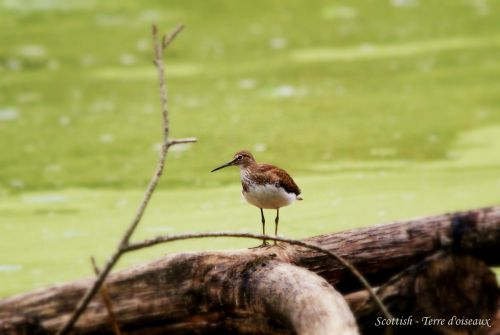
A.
pixel 380 111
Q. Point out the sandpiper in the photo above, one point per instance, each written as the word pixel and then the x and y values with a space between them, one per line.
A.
pixel 264 186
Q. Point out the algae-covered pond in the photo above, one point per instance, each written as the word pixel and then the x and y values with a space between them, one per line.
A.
pixel 380 110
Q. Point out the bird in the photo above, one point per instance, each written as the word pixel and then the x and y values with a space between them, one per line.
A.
pixel 265 186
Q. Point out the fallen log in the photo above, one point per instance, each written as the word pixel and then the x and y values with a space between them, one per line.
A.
pixel 382 251
pixel 183 291
pixel 436 296
pixel 212 293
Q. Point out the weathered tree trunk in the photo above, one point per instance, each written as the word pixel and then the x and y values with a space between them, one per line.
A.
pixel 211 291
pixel 431 293
pixel 382 251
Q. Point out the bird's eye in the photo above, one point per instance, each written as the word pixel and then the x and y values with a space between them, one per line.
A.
pixel 239 157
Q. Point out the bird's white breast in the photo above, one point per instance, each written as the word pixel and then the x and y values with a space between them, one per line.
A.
pixel 267 196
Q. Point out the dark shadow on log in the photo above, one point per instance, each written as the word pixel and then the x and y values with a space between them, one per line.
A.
pixel 441 287
pixel 495 329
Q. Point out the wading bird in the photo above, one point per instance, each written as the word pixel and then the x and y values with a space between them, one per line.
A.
pixel 264 186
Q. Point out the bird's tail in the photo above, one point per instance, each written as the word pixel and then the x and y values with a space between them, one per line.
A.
pixel 299 197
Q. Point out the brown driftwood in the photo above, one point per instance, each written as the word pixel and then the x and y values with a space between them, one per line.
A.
pixel 430 293
pixel 211 291
pixel 382 251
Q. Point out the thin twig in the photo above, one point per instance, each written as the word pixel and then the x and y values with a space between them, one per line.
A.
pixel 83 303
pixel 182 141
pixel 312 246
pixel 158 50
pixel 107 301
pixel 167 39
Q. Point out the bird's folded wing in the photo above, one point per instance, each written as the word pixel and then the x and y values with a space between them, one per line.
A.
pixel 280 177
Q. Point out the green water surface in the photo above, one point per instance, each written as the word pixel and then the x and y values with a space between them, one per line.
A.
pixel 380 110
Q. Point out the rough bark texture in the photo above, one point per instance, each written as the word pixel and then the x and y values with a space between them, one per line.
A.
pixel 440 287
pixel 382 251
pixel 216 291
pixel 210 292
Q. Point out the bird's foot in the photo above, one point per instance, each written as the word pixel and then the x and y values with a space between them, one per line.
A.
pixel 263 245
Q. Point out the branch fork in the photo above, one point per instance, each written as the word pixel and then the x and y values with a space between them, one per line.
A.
pixel 159 47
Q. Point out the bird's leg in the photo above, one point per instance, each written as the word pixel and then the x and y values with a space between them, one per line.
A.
pixel 263 219
pixel 276 221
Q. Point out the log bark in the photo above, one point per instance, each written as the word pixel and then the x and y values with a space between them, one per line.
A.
pixel 213 294
pixel 439 288
pixel 382 251
pixel 206 291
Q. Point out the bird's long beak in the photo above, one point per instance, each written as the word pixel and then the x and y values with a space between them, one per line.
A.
pixel 224 165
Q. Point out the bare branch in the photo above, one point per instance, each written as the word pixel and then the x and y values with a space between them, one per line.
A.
pixel 182 141
pixel 308 245
pixel 158 51
pixel 82 305
pixel 167 39
pixel 107 301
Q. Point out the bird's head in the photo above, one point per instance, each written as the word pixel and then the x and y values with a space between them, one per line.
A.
pixel 242 158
